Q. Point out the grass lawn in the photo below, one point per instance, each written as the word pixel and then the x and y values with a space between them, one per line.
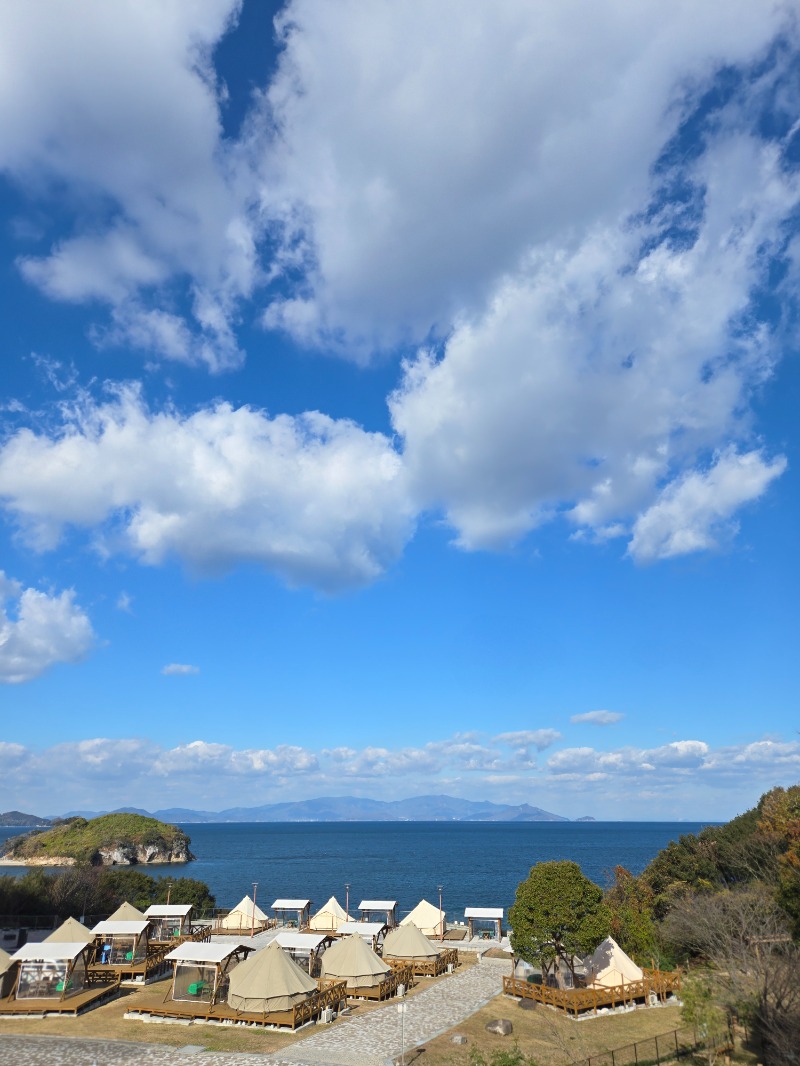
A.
pixel 547 1035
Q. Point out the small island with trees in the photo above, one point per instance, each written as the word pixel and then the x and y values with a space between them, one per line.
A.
pixel 110 840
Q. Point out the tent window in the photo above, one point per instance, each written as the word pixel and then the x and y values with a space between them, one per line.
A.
pixel 49 980
pixel 119 950
pixel 194 982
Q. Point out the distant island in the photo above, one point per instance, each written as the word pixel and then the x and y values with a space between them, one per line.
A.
pixel 17 818
pixel 357 809
pixel 120 839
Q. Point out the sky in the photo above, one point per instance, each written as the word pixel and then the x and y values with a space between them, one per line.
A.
pixel 399 399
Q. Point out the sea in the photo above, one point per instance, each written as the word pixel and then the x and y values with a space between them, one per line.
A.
pixel 477 864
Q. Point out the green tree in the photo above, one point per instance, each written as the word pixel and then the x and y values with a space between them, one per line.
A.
pixel 630 901
pixel 557 913
pixel 185 890
pixel 706 1017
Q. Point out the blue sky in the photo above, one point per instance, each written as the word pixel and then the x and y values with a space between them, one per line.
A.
pixel 399 400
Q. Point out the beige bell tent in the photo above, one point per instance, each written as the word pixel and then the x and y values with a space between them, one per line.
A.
pixel 351 960
pixel 609 966
pixel 329 917
pixel 70 932
pixel 268 981
pixel 241 918
pixel 6 973
pixel 407 942
pixel 126 912
pixel 427 918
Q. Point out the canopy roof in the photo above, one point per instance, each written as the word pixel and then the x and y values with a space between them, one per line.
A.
pixel 5 961
pixel 425 917
pixel 329 917
pixel 117 928
pixel 483 912
pixel 48 952
pixel 168 910
pixel 377 904
pixel 407 942
pixel 610 966
pixel 204 952
pixel 70 932
pixel 364 929
pixel 268 981
pixel 354 961
pixel 126 912
pixel 300 941
pixel 291 904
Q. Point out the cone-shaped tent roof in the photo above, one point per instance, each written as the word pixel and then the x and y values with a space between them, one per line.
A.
pixel 242 915
pixel 609 966
pixel 70 932
pixel 5 961
pixel 126 912
pixel 268 981
pixel 329 917
pixel 354 961
pixel 426 917
pixel 407 942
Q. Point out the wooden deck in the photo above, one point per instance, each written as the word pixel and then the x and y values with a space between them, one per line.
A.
pixel 330 996
pixel 135 972
pixel 91 996
pixel 427 967
pixel 401 974
pixel 578 1000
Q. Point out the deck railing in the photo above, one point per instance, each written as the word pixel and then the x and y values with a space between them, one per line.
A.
pixel 658 983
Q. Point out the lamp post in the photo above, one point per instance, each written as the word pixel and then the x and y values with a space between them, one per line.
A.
pixel 169 890
pixel 253 926
pixel 347 900
pixel 441 916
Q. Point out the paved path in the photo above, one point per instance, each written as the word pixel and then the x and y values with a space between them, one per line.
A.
pixel 370 1040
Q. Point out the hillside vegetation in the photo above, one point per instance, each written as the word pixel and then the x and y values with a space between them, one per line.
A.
pixel 111 839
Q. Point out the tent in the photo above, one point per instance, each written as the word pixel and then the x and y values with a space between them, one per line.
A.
pixel 201 970
pixel 268 981
pixel 70 932
pixel 126 912
pixel 169 920
pixel 609 966
pixel 241 917
pixel 407 942
pixel 427 918
pixel 354 961
pixel 328 918
pixel 6 975
pixel 50 971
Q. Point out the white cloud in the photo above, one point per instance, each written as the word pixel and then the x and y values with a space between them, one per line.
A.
pixel 598 717
pixel 529 738
pixel 39 630
pixel 319 501
pixel 179 669
pixel 695 511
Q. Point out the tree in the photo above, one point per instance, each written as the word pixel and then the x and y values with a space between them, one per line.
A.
pixel 185 890
pixel 704 1015
pixel 630 902
pixel 557 913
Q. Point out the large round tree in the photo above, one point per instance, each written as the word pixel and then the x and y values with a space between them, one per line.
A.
pixel 557 913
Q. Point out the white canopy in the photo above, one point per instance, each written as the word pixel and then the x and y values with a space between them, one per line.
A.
pixel 377 904
pixel 427 918
pixel 291 904
pixel 407 942
pixel 329 917
pixel 609 966
pixel 366 930
pixel 117 928
pixel 355 962
pixel 45 952
pixel 301 942
pixel 168 910
pixel 268 981
pixel 70 932
pixel 203 951
pixel 484 912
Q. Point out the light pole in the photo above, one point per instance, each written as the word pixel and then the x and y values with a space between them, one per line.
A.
pixel 347 900
pixel 441 916
pixel 169 891
pixel 253 926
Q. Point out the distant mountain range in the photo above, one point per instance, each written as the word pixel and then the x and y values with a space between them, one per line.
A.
pixel 355 809
pixel 17 818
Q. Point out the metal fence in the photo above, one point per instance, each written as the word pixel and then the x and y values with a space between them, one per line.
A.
pixel 665 1048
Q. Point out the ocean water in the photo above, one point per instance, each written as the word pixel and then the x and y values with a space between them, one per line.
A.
pixel 478 864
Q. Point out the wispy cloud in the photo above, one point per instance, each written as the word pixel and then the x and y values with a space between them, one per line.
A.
pixel 598 717
pixel 179 669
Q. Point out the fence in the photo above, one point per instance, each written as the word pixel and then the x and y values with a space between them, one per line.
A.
pixel 655 985
pixel 667 1047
